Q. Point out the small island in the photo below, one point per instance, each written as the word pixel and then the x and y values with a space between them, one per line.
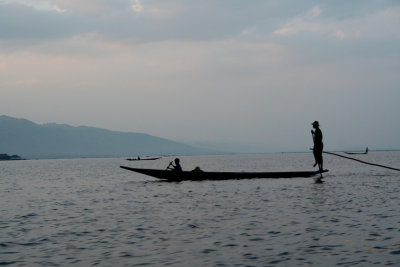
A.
pixel 7 157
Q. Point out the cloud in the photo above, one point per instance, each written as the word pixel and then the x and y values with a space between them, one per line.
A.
pixel 315 12
pixel 137 6
pixel 37 4
pixel 243 69
pixel 340 35
pixel 131 19
pixel 303 23
pixel 93 7
pixel 28 26
pixel 150 20
pixel 379 23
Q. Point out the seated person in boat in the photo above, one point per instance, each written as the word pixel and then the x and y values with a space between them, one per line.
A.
pixel 177 167
pixel 197 169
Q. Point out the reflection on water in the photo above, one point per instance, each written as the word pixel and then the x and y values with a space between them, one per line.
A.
pixel 89 212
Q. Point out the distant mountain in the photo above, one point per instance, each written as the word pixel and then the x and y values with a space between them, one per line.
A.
pixel 31 140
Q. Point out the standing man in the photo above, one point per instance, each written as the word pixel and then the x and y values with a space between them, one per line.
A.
pixel 318 145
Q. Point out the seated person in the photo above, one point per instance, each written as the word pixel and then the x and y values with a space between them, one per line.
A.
pixel 197 169
pixel 177 167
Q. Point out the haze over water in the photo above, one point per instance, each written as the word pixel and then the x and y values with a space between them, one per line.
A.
pixel 85 212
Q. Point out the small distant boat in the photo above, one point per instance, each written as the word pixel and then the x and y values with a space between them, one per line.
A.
pixel 202 175
pixel 358 153
pixel 138 158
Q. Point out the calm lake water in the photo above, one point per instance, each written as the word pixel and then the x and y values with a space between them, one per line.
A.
pixel 84 212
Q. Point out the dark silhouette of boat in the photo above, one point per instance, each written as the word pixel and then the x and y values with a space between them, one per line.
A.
pixel 138 158
pixel 358 153
pixel 202 175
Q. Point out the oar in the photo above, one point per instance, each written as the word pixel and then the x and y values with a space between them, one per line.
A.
pixel 168 167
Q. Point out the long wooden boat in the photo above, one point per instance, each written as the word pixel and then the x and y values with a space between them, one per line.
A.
pixel 201 175
pixel 136 159
pixel 358 153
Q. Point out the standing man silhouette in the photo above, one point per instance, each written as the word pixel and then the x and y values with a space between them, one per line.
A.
pixel 318 145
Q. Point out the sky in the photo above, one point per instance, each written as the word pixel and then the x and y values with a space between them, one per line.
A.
pixel 252 75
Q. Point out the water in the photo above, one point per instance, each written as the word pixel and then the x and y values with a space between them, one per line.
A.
pixel 84 212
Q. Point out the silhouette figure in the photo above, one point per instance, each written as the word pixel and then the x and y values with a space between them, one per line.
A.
pixel 177 167
pixel 197 169
pixel 318 145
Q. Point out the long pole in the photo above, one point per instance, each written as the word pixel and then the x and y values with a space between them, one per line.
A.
pixel 373 164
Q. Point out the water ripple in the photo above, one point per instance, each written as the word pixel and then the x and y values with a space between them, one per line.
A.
pixel 88 212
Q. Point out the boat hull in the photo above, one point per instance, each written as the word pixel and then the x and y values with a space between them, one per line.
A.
pixel 200 175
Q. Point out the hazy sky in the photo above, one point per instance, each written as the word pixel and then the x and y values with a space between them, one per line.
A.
pixel 254 72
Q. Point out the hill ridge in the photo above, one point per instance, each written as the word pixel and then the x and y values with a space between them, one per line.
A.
pixel 53 140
